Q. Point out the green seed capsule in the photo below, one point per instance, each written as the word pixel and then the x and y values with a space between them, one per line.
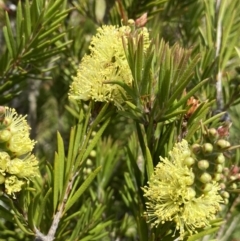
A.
pixel 207 148
pixel 223 144
pixel 205 178
pixel 203 165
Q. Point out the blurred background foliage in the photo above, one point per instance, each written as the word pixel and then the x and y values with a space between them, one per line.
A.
pixel 41 44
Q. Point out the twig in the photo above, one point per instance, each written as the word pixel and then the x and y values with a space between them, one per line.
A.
pixel 52 231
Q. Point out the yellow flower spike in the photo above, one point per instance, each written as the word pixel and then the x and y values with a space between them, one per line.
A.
pixel 107 62
pixel 17 165
pixel 172 196
pixel 19 142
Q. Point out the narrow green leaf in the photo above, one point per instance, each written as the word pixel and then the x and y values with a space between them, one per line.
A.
pixel 170 116
pixel 56 177
pixel 81 190
pixel 27 19
pixel 32 211
pixel 51 11
pixel 8 41
pixel 139 60
pixel 202 234
pixel 47 32
pixel 213 118
pixel 184 80
pixel 19 20
pixel 70 157
pixel 42 208
pixel 100 115
pixel 145 82
pixel 59 18
pixel 149 163
pixel 6 214
pixel 130 91
pixel 22 227
pixel 95 139
pixel 189 94
pixel 61 158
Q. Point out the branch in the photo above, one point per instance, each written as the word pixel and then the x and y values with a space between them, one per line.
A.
pixel 52 231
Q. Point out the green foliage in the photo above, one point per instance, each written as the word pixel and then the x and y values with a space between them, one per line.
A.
pixel 96 159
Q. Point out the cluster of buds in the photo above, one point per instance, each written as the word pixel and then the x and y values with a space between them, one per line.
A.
pixel 17 165
pixel 210 160
pixel 230 182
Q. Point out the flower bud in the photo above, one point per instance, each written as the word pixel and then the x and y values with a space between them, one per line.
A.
pixel 213 134
pixel 207 188
pixel 217 177
pixel 191 193
pixel 219 168
pixel 189 180
pixel 223 144
pixel 88 170
pixel 196 148
pixel 93 153
pixel 225 194
pixel 186 153
pixel 189 161
pixel 226 201
pixel 203 165
pixel 234 186
pixel 7 121
pixel 220 158
pixel 222 185
pixel 232 178
pixel 207 148
pixel 89 162
pixel 205 178
pixel 5 135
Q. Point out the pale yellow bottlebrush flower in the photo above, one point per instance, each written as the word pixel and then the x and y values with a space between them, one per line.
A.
pixel 17 165
pixel 19 142
pixel 13 185
pixel 23 168
pixel 107 62
pixel 172 196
